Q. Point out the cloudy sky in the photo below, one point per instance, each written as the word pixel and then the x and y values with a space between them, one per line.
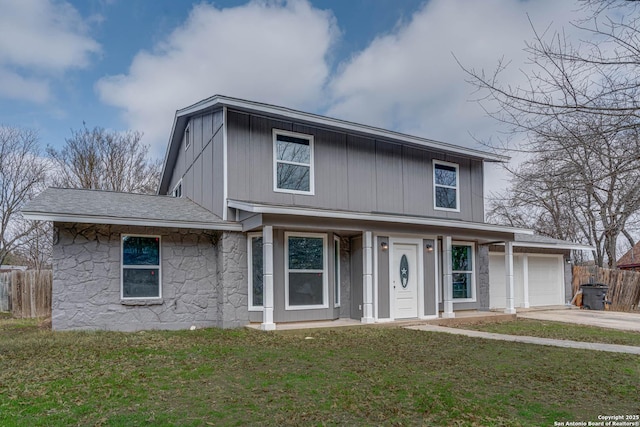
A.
pixel 129 64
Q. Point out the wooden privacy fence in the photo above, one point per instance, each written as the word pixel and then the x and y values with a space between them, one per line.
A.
pixel 26 293
pixel 624 285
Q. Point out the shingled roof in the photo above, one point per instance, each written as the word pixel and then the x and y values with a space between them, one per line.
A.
pixel 108 207
pixel 631 258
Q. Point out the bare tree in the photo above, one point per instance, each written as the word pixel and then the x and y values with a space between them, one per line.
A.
pixel 22 175
pixel 580 115
pixel 36 247
pixel 105 160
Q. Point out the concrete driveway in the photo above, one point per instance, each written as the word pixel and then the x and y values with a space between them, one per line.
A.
pixel 604 319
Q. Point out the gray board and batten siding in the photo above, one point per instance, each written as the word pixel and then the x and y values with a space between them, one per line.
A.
pixel 200 165
pixel 352 173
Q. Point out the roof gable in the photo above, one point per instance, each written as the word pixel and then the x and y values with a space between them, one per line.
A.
pixel 218 102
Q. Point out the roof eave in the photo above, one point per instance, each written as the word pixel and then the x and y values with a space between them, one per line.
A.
pixel 365 216
pixel 145 222
pixel 562 246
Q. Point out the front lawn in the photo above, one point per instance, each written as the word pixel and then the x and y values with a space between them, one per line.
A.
pixel 560 331
pixel 345 376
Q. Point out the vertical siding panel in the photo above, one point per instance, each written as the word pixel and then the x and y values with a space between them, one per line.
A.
pixel 217 168
pixel 207 162
pixel 477 196
pixel 466 206
pixel 237 132
pixel 197 136
pixel 207 177
pixel 389 189
pixel 361 169
pixel 197 181
pixel 417 182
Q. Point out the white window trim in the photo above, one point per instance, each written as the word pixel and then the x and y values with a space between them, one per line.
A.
pixel 187 136
pixel 309 138
pixel 325 272
pixel 456 187
pixel 472 271
pixel 250 238
pixel 178 185
pixel 147 267
pixel 336 272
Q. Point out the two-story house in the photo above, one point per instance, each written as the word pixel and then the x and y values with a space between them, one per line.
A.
pixel 266 214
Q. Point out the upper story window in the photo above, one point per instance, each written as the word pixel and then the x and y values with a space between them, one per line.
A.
pixel 187 137
pixel 292 162
pixel 446 187
pixel 140 264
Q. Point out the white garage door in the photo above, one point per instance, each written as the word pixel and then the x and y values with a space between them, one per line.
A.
pixel 545 280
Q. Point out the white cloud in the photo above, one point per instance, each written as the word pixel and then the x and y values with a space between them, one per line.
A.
pixel 273 51
pixel 409 80
pixel 14 86
pixel 40 38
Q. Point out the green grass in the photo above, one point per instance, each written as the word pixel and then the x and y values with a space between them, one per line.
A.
pixel 559 330
pixel 346 376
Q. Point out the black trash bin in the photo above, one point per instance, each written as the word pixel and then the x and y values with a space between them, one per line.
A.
pixel 594 295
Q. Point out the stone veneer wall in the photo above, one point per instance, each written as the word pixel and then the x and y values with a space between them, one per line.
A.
pixel 232 298
pixel 86 279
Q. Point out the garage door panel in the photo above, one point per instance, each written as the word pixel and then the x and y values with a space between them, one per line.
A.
pixel 546 280
pixel 497 290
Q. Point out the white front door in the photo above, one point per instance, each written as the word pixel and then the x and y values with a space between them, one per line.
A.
pixel 405 273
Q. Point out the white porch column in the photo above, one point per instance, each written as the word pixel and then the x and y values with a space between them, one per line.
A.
pixel 367 277
pixel 508 269
pixel 267 279
pixel 525 280
pixel 447 276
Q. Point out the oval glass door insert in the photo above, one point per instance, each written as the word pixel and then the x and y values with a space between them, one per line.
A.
pixel 404 271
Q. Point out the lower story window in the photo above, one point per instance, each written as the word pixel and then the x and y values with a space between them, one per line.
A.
pixel 306 271
pixel 141 270
pixel 255 272
pixel 462 269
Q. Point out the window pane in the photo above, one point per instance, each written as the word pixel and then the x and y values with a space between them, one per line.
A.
pixel 306 253
pixel 445 175
pixel 140 283
pixel 293 149
pixel 461 258
pixel 140 250
pixel 461 285
pixel 305 288
pixel 256 266
pixel 293 177
pixel 446 198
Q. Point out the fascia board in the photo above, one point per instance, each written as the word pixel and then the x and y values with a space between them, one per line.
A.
pixel 130 221
pixel 567 246
pixel 249 207
pixel 336 123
